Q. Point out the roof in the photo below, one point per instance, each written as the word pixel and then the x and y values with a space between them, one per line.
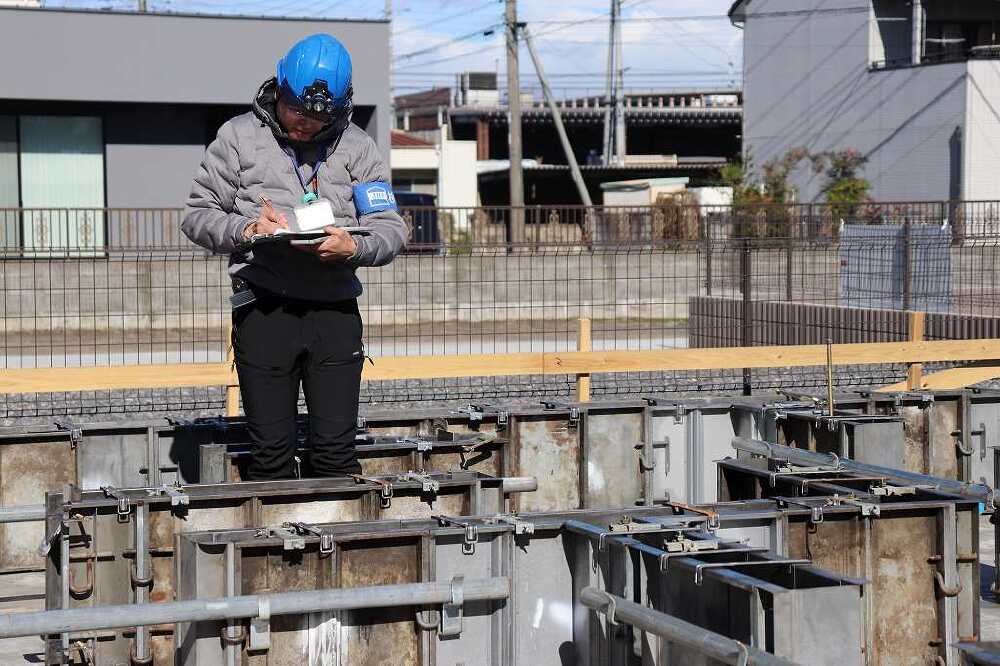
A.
pixel 642 184
pixel 433 97
pixel 738 12
pixel 401 139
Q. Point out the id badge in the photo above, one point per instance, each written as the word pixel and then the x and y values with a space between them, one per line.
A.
pixel 314 215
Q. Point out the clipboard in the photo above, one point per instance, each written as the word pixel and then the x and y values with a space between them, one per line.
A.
pixel 297 237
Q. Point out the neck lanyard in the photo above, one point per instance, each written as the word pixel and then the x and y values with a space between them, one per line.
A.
pixel 308 196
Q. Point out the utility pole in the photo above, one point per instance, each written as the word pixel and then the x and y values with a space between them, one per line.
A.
pixel 609 141
pixel 574 168
pixel 619 93
pixel 514 123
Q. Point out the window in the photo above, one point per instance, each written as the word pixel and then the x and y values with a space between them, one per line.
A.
pixel 62 174
pixel 9 188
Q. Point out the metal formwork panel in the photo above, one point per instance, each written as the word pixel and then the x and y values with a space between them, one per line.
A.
pixel 771 573
pixel 916 547
pixel 99 540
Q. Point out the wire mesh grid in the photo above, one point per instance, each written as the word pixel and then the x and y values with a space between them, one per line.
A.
pixel 722 277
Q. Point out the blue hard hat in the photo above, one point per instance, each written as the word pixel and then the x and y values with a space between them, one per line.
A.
pixel 317 72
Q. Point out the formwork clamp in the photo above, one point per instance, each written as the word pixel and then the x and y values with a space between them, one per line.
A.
pixel 326 545
pixel 427 484
pixel 385 488
pixel 260 627
pixel 451 612
pixel 512 519
pixel 75 432
pixel 124 503
pixel 178 497
pixel 469 539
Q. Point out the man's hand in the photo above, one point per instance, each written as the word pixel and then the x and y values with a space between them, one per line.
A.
pixel 268 222
pixel 338 246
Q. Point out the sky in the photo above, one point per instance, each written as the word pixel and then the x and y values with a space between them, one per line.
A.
pixel 667 44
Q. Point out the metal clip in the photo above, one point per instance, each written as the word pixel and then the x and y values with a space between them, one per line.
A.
pixel 502 418
pixel 451 612
pixel 291 539
pixel 362 424
pixel 469 539
pixel 574 417
pixel 75 433
pixel 260 626
pixel 124 504
pixel 46 545
pixel 385 488
pixel 326 545
pixel 178 496
pixel 679 413
pixel 427 484
pixel 520 526
pixel 868 509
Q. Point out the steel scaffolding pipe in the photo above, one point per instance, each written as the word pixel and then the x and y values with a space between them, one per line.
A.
pixel 282 603
pixel 708 643
pixel 24 513
pixel 806 458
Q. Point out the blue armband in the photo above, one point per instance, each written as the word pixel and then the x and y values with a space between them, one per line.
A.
pixel 373 198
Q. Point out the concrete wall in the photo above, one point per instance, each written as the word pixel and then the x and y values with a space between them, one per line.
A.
pixel 981 143
pixel 458 181
pixel 151 155
pixel 808 83
pixel 120 57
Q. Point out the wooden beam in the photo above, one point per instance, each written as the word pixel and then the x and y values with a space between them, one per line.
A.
pixel 44 380
pixel 47 380
pixel 468 365
pixel 583 343
pixel 953 378
pixel 915 371
pixel 794 356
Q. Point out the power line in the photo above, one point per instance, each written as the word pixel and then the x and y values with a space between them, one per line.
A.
pixel 461 14
pixel 461 38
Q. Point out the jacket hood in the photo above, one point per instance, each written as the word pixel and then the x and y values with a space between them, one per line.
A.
pixel 264 106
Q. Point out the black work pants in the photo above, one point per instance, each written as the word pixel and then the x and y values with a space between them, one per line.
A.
pixel 280 343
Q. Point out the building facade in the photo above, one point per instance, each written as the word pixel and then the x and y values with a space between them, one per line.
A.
pixel 668 134
pixel 114 110
pixel 912 84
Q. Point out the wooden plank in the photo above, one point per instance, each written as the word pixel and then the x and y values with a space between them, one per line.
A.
pixel 46 380
pixel 915 371
pixel 770 357
pixel 233 385
pixel 583 343
pixel 468 365
pixel 953 378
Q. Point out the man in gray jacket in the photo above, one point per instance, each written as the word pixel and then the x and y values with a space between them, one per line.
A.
pixel 298 320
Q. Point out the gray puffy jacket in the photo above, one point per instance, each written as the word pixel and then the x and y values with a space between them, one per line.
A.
pixel 248 159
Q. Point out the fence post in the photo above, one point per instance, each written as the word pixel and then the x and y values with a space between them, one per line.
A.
pixel 708 256
pixel 747 329
pixel 233 387
pixel 915 371
pixel 583 343
pixel 907 265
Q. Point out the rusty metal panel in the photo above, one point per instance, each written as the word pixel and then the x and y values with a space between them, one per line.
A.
pixel 380 636
pixel 548 448
pixel 310 637
pixel 906 626
pixel 27 471
pixel 944 422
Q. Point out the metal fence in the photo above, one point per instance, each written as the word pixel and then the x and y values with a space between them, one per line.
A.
pixel 121 305
pixel 81 231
